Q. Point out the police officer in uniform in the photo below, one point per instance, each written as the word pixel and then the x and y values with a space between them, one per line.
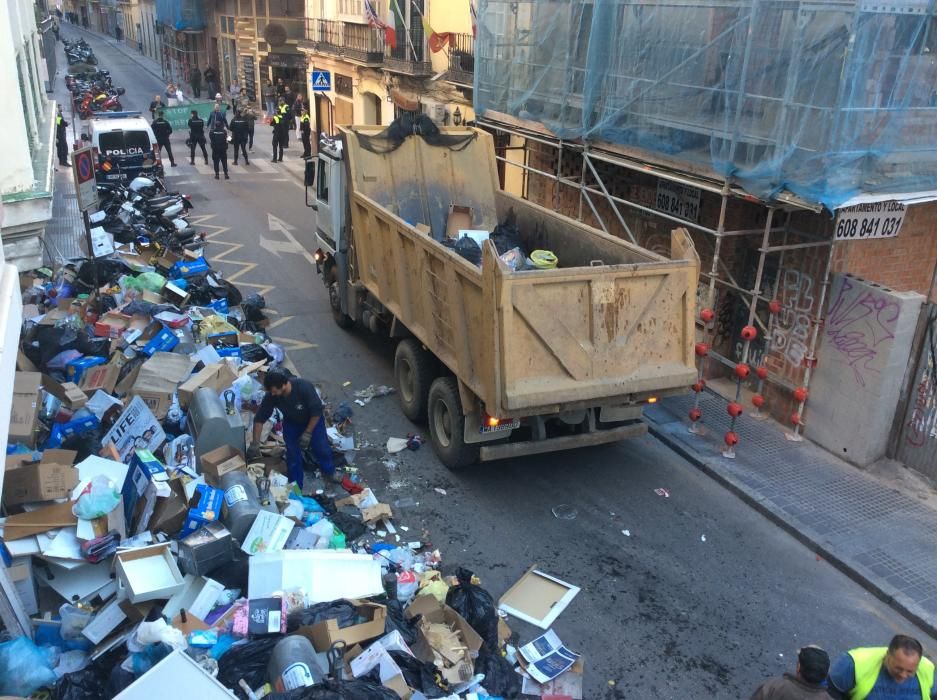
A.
pixel 162 131
pixel 305 130
pixel 196 137
pixel 284 111
pixel 278 122
pixel 218 137
pixel 239 133
pixel 61 140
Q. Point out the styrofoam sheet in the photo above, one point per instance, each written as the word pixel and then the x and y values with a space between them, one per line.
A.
pixel 323 574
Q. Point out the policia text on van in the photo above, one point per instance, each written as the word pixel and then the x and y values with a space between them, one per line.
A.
pixel 124 146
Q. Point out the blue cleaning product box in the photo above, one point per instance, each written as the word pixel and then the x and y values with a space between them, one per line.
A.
pixel 164 341
pixel 75 368
pixel 205 507
pixel 62 431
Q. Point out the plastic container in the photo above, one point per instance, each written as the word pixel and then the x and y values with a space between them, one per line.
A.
pixel 293 664
pixel 241 503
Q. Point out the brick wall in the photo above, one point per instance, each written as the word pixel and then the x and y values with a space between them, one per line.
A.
pixel 904 263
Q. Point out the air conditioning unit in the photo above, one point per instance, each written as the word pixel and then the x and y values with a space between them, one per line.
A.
pixel 435 111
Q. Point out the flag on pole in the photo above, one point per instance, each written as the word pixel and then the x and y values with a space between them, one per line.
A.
pixel 374 20
pixel 437 41
pixel 474 15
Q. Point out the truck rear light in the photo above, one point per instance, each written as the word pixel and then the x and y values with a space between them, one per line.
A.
pixel 493 422
pixel 318 256
pixel 652 399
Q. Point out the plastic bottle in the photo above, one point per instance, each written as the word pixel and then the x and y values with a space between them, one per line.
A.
pixel 293 664
pixel 241 503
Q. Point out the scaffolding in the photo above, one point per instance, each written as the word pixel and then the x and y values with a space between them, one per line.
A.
pixel 820 99
pixel 579 170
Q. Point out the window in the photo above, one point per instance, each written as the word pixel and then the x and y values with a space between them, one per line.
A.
pixel 343 85
pixel 322 182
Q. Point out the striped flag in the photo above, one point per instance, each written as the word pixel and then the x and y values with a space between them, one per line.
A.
pixel 374 20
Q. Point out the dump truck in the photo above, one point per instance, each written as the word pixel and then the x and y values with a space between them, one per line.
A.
pixel 500 362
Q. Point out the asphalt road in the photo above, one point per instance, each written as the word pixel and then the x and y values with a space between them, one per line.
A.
pixel 662 613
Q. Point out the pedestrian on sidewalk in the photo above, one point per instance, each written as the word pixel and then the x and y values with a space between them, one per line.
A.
pixel 289 98
pixel 156 106
pixel 299 106
pixel 899 671
pixel 234 92
pixel 195 80
pixel 211 80
pixel 61 138
pixel 278 122
pixel 118 33
pixel 305 130
pixel 280 88
pixel 813 663
pixel 239 127
pixel 246 110
pixel 270 98
pixel 218 136
pixel 162 130
pixel 196 137
pixel 303 425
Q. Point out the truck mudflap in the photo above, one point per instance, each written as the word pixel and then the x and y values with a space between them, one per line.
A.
pixel 507 450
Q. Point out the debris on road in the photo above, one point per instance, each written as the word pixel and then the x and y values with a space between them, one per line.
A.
pixel 662 492
pixel 564 511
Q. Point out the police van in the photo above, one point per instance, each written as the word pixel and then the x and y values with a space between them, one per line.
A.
pixel 124 146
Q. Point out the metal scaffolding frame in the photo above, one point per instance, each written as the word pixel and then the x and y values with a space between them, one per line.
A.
pixel 718 274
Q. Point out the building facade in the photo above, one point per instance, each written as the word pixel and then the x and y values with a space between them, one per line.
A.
pixel 28 137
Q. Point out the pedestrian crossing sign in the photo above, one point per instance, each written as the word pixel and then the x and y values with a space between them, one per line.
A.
pixel 321 80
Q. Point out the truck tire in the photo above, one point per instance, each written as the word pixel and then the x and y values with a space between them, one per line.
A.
pixel 414 369
pixel 342 320
pixel 447 425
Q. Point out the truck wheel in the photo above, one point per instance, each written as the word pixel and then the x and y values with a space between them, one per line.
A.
pixel 414 369
pixel 342 319
pixel 447 425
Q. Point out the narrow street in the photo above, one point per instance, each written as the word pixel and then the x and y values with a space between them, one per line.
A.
pixel 703 598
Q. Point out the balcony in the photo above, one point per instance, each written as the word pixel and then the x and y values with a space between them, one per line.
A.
pixel 461 60
pixel 355 42
pixel 410 56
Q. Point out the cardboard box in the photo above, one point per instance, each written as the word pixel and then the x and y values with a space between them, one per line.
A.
pixel 189 268
pixel 206 549
pixel 170 511
pixel 538 598
pixel 66 392
pixel 217 377
pixel 164 341
pixel 197 598
pixel 148 573
pixel 175 294
pixel 226 344
pixel 24 410
pixel 204 508
pixel 111 325
pixel 324 634
pixel 21 574
pixel 158 379
pixel 40 520
pixel 76 368
pixel 52 477
pixel 455 670
pixel 216 463
pixel 136 426
pixel 63 431
pixel 104 376
pixel 267 534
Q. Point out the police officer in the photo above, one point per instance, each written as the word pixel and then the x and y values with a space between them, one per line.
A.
pixel 218 137
pixel 61 140
pixel 239 132
pixel 278 122
pixel 305 130
pixel 283 109
pixel 162 131
pixel 196 137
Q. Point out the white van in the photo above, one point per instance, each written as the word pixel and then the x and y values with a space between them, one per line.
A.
pixel 124 146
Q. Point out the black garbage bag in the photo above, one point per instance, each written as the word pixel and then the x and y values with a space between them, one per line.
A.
pixel 350 526
pixel 396 621
pixel 252 307
pixel 48 342
pixel 248 661
pixel 109 271
pixel 106 302
pixel 500 678
pixel 421 675
pixel 119 681
pixel 86 684
pixel 367 687
pixel 138 306
pixel 476 605
pixel 253 352
pixel 85 444
pixel 342 611
pixel 506 236
pixel 469 249
pixel 89 344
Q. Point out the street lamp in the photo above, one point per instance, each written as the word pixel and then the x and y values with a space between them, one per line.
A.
pixel 457 116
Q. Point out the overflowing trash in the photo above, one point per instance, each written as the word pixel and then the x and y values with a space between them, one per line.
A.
pixel 153 549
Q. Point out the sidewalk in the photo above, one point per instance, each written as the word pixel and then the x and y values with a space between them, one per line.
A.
pixel 881 538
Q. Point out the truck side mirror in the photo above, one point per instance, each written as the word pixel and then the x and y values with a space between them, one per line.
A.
pixel 310 176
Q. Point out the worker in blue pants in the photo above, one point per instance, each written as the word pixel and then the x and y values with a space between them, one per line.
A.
pixel 303 424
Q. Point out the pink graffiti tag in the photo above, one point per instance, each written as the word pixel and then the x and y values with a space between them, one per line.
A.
pixel 858 323
pixel 921 426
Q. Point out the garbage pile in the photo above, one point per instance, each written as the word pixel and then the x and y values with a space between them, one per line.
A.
pixel 507 241
pixel 152 555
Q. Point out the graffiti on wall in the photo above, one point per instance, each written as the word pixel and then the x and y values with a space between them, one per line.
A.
pixel 790 333
pixel 861 319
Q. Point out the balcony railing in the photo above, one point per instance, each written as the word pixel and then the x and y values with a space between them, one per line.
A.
pixel 461 59
pixel 410 56
pixel 357 42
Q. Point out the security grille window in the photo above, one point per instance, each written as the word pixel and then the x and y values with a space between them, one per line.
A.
pixel 343 85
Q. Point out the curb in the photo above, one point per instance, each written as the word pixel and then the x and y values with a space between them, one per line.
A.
pixel 799 534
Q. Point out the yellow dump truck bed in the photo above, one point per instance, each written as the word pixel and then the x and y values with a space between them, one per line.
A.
pixel 611 325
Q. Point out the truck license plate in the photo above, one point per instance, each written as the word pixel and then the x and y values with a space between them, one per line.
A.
pixel 516 423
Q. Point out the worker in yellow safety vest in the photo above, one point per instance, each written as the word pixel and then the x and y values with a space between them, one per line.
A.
pixel 899 671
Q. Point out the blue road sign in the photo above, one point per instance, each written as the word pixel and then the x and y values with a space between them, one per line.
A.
pixel 321 80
